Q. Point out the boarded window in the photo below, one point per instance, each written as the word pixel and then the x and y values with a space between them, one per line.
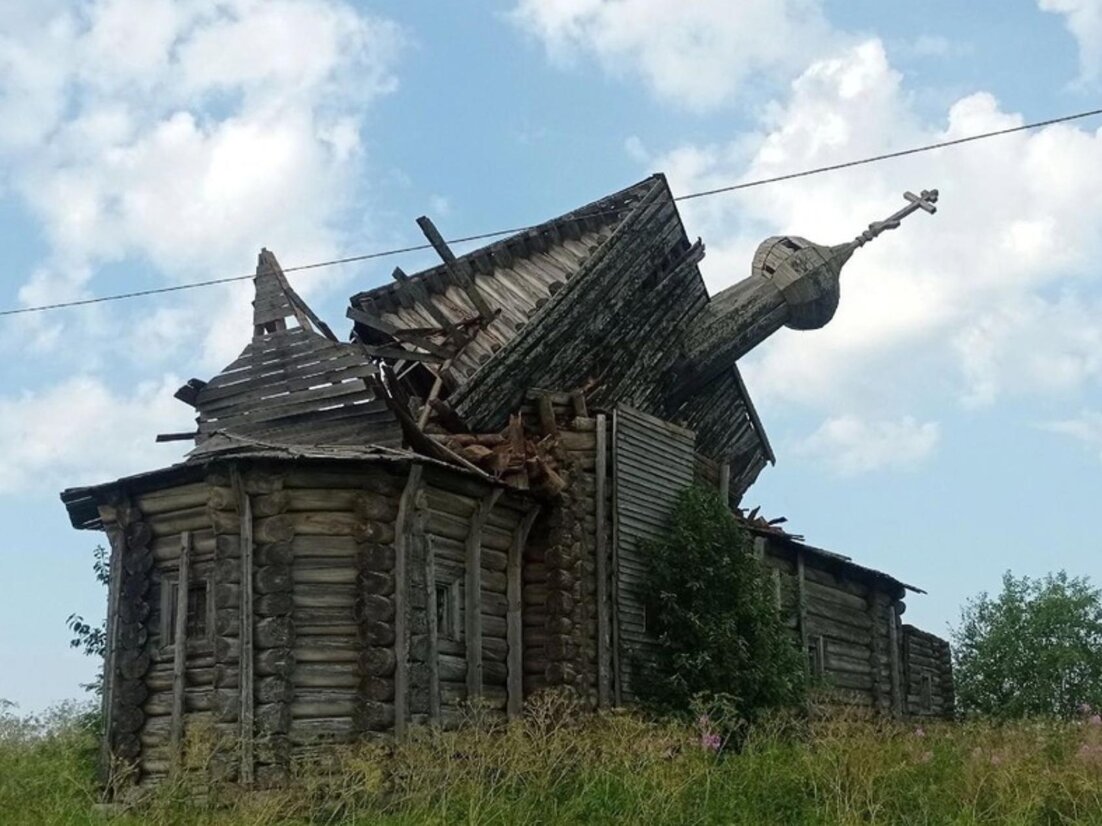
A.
pixel 449 620
pixel 816 656
pixel 198 610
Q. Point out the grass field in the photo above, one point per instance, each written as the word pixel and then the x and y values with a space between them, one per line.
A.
pixel 552 768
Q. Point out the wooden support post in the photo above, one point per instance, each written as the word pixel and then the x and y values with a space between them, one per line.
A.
pixel 894 646
pixel 117 538
pixel 514 629
pixel 604 661
pixel 801 601
pixel 878 610
pixel 434 632
pixel 577 400
pixel 245 510
pixel 403 543
pixel 725 484
pixel 614 596
pixel 473 608
pixel 457 270
pixel 759 548
pixel 179 646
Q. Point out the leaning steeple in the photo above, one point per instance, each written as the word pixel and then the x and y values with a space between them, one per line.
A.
pixel 293 384
pixel 793 283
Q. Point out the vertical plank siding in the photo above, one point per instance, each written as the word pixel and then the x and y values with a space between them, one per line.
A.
pixel 653 461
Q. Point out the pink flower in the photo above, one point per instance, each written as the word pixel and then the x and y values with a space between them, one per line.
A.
pixel 1085 709
pixel 996 759
pixel 920 732
pixel 1095 720
pixel 711 742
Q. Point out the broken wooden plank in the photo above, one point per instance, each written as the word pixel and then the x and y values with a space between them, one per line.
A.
pixel 458 270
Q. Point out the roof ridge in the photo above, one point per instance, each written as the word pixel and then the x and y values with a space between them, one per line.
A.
pixel 594 209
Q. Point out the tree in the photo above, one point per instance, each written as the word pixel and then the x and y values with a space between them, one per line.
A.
pixel 92 638
pixel 713 611
pixel 1034 649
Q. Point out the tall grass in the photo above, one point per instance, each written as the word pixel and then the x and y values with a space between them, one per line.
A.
pixel 554 767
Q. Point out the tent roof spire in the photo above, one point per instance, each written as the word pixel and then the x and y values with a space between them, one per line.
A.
pixel 276 301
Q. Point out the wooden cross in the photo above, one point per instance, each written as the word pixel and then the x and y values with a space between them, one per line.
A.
pixel 924 201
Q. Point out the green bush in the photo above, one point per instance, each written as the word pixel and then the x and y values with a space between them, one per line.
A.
pixel 712 609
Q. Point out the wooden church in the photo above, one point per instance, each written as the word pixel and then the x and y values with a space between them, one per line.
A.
pixel 450 507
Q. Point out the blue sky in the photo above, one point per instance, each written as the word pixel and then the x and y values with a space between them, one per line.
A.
pixel 946 426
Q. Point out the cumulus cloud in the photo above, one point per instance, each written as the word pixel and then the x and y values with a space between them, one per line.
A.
pixel 80 431
pixel 1083 19
pixel 697 54
pixel 180 137
pixel 850 445
pixel 995 295
pixel 159 142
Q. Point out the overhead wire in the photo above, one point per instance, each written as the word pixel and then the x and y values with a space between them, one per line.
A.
pixel 929 147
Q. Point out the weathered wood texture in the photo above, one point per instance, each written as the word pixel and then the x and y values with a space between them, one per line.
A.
pixel 653 461
pixel 927 675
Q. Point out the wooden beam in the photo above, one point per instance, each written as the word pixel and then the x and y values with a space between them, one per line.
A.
pixel 179 646
pixel 801 600
pixel 547 415
pixel 425 299
pixel 473 600
pixel 604 664
pixel 455 268
pixel 403 543
pixel 245 666
pixel 617 670
pixel 894 645
pixel 514 606
pixel 434 632
pixel 368 319
pixel 877 608
pixel 117 538
pixel 400 354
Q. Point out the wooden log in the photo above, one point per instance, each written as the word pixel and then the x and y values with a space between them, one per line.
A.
pixel 801 601
pixel 326 675
pixel 514 609
pixel 181 497
pixel 117 541
pixel 402 551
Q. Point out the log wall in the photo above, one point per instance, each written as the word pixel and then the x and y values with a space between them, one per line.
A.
pixel 927 674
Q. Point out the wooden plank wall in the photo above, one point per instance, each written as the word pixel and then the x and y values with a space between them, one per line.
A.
pixel 653 462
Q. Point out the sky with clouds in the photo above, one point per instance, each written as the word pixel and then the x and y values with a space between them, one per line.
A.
pixel 946 426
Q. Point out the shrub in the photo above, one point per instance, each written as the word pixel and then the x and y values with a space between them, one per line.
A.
pixel 721 640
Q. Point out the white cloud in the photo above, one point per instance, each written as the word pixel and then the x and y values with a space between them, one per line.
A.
pixel 958 304
pixel 698 54
pixel 851 445
pixel 1085 428
pixel 180 137
pixel 1083 19
pixel 79 431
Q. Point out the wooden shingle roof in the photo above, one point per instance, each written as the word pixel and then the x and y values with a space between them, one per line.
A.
pixel 292 384
pixel 516 277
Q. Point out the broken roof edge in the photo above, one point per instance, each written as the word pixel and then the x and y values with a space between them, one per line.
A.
pixel 601 206
pixel 82 503
pixel 831 557
pixel 755 420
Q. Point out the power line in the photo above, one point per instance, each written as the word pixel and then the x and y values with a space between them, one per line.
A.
pixel 498 233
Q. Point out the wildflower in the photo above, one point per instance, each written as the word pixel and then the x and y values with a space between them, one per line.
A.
pixel 920 732
pixel 926 757
pixel 1085 709
pixel 1095 720
pixel 711 741
pixel 996 759
pixel 704 722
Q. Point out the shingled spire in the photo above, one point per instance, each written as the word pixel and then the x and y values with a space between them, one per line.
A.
pixel 275 301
